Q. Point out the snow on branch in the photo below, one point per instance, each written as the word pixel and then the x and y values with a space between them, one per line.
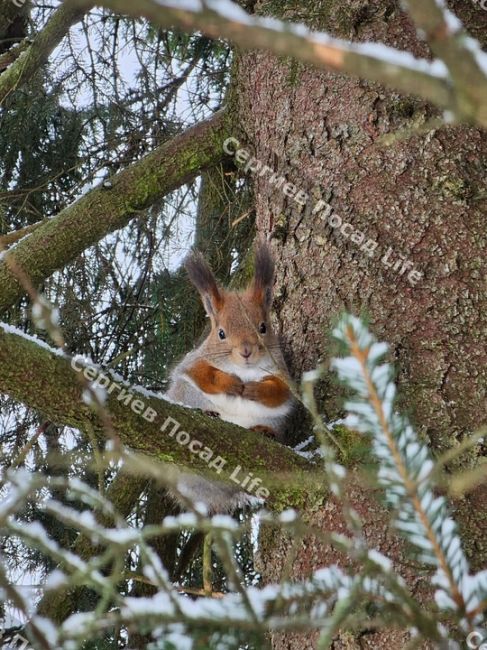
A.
pixel 456 81
pixel 405 470
pixel 332 598
pixel 323 600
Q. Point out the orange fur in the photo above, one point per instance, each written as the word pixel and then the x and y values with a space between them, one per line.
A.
pixel 271 391
pixel 211 380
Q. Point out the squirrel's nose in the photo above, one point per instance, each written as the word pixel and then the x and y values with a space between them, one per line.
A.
pixel 246 351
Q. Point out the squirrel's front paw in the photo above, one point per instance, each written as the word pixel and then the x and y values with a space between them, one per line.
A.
pixel 252 390
pixel 234 386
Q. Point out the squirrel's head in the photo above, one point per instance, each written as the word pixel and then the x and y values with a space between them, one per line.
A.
pixel 240 323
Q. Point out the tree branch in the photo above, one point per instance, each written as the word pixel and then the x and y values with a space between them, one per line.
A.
pixel 462 55
pixel 373 61
pixel 43 379
pixel 123 493
pixel 34 56
pixel 13 236
pixel 11 55
pixel 104 209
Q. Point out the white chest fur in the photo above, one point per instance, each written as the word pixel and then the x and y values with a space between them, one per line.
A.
pixel 244 412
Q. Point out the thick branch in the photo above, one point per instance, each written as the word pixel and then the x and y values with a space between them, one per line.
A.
pixel 460 85
pixel 43 379
pixel 34 56
pixel 462 55
pixel 105 209
pixel 372 61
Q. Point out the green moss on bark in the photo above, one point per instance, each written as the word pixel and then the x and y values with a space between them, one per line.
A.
pixel 46 381
pixel 109 207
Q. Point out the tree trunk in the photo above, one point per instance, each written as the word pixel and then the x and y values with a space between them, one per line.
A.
pixel 421 198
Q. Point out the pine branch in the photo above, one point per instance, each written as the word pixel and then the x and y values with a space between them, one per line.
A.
pixel 394 591
pixel 405 467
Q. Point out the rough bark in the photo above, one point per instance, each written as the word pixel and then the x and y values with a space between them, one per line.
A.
pixel 46 381
pixel 112 204
pixel 424 196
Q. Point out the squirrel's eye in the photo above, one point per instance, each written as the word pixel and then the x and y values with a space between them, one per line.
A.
pixel 262 328
pixel 222 334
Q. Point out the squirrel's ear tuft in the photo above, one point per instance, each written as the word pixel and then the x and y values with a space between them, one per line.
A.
pixel 263 274
pixel 203 279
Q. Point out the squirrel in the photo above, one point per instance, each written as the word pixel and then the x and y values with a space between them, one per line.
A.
pixel 238 372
